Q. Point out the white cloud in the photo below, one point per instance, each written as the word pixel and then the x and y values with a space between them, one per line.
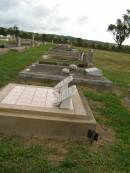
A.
pixel 80 18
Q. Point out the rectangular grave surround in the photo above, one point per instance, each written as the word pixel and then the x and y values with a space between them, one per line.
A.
pixel 40 72
pixel 29 110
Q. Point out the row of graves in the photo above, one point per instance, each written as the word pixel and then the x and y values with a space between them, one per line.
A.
pixel 52 112
pixel 62 61
pixel 21 44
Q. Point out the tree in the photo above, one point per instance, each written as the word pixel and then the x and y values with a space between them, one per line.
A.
pixel 14 31
pixel 119 31
pixel 126 18
pixel 79 42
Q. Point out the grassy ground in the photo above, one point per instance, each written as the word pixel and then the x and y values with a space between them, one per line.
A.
pixel 13 62
pixel 116 66
pixel 110 154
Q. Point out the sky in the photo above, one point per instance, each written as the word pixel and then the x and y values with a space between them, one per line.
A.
pixel 78 18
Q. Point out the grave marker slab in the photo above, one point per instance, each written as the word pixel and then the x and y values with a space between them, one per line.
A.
pixel 29 111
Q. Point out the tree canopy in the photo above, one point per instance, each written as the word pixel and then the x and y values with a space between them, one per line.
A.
pixel 121 30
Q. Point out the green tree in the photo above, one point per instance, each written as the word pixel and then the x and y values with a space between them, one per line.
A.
pixel 126 18
pixel 3 31
pixel 119 31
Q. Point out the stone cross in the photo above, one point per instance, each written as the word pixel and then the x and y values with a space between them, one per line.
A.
pixel 89 58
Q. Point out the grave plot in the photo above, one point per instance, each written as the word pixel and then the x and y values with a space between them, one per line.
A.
pixel 66 53
pixel 38 111
pixel 62 61
pixel 61 55
pixel 39 72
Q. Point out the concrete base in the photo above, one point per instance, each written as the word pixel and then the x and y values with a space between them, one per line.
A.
pixel 40 72
pixel 41 121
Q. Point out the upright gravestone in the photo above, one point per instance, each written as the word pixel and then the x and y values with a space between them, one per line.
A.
pixel 33 41
pixel 89 57
pixel 82 56
pixel 18 41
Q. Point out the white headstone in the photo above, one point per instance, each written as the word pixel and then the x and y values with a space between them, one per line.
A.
pixel 32 41
pixel 18 41
pixel 89 57
pixel 65 97
pixel 82 56
pixel 63 84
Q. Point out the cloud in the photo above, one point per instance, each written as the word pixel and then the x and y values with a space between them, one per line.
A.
pixel 41 11
pixel 76 18
pixel 8 4
pixel 82 19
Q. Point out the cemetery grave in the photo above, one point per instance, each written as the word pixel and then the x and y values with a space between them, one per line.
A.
pixel 61 56
pixel 49 155
pixel 38 111
pixel 19 44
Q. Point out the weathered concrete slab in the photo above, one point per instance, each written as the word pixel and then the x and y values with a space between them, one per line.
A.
pixel 24 111
pixel 94 71
pixel 39 72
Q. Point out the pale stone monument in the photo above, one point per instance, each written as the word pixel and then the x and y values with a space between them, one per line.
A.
pixel 93 71
pixel 73 67
pixel 82 56
pixel 32 40
pixel 65 98
pixel 63 84
pixel 89 57
pixel 18 41
pixel 65 71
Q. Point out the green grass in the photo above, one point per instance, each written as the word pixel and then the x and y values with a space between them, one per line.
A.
pixel 113 114
pixel 115 66
pixel 111 154
pixel 12 63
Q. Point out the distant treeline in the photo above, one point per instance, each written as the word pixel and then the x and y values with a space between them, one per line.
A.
pixel 63 40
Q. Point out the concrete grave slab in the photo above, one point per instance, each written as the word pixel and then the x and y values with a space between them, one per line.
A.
pixel 94 71
pixel 40 72
pixel 29 111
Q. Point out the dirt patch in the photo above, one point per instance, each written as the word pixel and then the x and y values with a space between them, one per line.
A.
pixel 3 50
pixel 58 148
pixel 106 135
pixel 126 103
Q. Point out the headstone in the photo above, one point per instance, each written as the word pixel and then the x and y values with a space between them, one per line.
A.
pixel 18 41
pixel 89 57
pixel 63 84
pixel 82 56
pixel 33 41
pixel 65 97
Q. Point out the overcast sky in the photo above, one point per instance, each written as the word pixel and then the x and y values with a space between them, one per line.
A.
pixel 87 19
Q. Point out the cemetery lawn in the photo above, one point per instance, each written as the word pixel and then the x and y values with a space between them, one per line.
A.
pixel 13 62
pixel 110 154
